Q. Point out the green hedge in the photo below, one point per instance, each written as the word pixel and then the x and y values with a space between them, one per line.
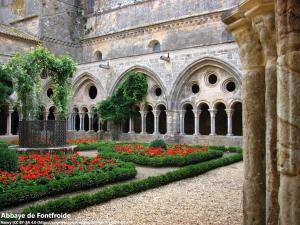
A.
pixel 81 201
pixel 8 159
pixel 159 161
pixel 28 193
pixel 226 149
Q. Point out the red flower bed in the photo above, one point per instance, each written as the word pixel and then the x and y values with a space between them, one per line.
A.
pixel 35 167
pixel 178 150
pixel 81 140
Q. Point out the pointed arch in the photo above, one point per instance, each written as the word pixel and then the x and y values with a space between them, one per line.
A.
pixel 84 78
pixel 196 65
pixel 145 70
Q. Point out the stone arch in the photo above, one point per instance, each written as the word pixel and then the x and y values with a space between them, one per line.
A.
pixel 204 118
pixel 237 118
pixel 148 72
pixel 189 118
pixel 196 65
pixel 221 118
pixel 162 118
pixel 218 101
pixel 86 78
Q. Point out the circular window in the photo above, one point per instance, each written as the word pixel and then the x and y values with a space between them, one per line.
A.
pixel 212 79
pixel 93 92
pixel 230 86
pixel 158 91
pixel 195 88
pixel 49 92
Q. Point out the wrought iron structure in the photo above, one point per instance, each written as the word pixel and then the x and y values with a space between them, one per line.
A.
pixel 42 133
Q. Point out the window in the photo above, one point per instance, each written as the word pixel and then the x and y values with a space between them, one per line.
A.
pixel 158 91
pixel 212 79
pixel 156 47
pixel 230 86
pixel 49 92
pixel 90 6
pixel 98 56
pixel 93 92
pixel 195 88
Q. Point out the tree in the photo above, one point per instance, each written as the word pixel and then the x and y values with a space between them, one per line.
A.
pixel 26 70
pixel 6 88
pixel 118 107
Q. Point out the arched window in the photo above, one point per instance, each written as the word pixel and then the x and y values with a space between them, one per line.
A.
pixel 98 56
pixel 90 6
pixel 154 45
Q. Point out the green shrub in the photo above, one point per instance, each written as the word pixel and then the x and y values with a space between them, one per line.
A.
pixel 3 145
pixel 71 204
pixel 8 160
pixel 22 194
pixel 158 143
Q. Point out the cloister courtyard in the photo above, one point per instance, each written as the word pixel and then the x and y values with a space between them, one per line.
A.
pixel 150 112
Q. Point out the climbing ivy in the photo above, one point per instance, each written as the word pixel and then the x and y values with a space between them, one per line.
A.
pixel 26 70
pixel 118 107
pixel 5 86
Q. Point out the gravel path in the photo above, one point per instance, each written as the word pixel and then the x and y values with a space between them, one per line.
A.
pixel 211 199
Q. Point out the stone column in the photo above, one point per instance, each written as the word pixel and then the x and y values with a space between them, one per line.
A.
pixel 8 127
pixel 288 109
pixel 156 121
pixel 81 126
pixel 45 115
pixel 91 116
pixel 253 95
pixel 212 121
pixel 263 22
pixel 131 125
pixel 143 121
pixel 69 121
pixel 196 114
pixel 182 114
pixel 229 113
pixel 170 122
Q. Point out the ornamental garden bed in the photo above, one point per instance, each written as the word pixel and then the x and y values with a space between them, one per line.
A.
pixel 173 155
pixel 41 175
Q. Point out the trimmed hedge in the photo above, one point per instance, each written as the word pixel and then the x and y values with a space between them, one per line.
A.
pixel 158 143
pixel 226 149
pixel 8 159
pixel 29 193
pixel 161 161
pixel 81 201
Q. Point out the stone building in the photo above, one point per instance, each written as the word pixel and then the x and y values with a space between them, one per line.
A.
pixel 189 58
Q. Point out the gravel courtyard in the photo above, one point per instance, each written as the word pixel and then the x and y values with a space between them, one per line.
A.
pixel 214 198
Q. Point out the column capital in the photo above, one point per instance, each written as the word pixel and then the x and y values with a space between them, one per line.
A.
pixel 156 112
pixel 229 112
pixel 197 112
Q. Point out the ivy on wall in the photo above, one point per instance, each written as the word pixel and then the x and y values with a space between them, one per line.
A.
pixel 118 107
pixel 26 70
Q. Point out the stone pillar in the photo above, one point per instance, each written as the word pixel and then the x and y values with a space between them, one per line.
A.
pixel 156 121
pixel 263 22
pixel 70 116
pixel 45 115
pixel 229 113
pixel 288 109
pixel 108 126
pixel 196 114
pixel 212 121
pixel 253 95
pixel 170 122
pixel 81 126
pixel 91 117
pixel 130 130
pixel 8 127
pixel 143 121
pixel 182 114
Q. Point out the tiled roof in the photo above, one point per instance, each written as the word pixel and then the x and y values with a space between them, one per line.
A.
pixel 11 31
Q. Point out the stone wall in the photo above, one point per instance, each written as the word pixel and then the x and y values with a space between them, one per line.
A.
pixel 149 12
pixel 173 35
pixel 11 45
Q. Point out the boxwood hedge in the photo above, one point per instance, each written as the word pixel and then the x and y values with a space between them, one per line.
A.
pixel 29 193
